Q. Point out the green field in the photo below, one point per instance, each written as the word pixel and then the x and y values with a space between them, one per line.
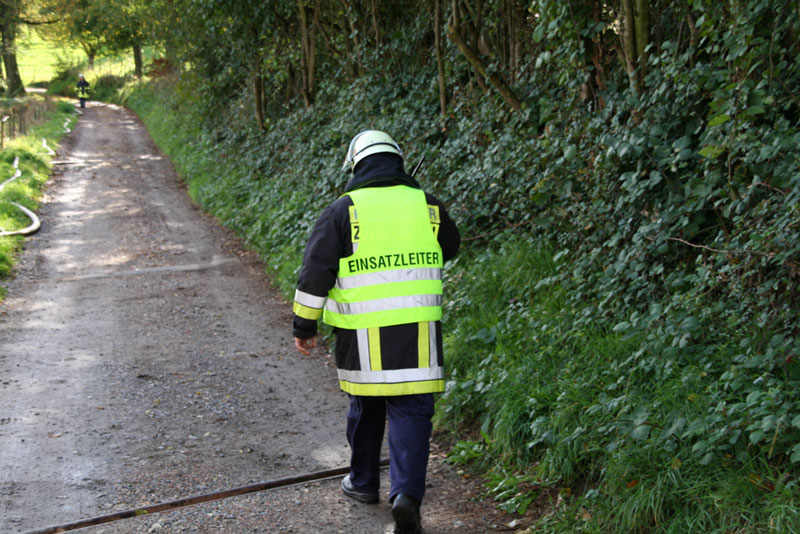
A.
pixel 39 59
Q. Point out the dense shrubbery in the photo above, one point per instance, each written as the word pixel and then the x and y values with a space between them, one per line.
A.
pixel 623 317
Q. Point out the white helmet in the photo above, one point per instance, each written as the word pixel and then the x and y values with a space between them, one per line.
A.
pixel 367 143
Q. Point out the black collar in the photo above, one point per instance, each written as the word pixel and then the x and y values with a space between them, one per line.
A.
pixel 381 169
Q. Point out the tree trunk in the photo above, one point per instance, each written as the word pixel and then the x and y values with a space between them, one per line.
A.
pixel 312 62
pixel 15 87
pixel 375 26
pixel 641 14
pixel 348 48
pixel 509 44
pixel 597 46
pixel 629 44
pixel 308 45
pixel 290 82
pixel 479 65
pixel 516 40
pixel 13 79
pixel 347 8
pixel 258 90
pixel 475 30
pixel 457 26
pixel 264 100
pixel 91 53
pixel 137 61
pixel 438 45
pixel 635 37
pixel 694 37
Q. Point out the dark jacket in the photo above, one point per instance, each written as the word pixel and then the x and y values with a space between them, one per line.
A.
pixel 82 87
pixel 330 240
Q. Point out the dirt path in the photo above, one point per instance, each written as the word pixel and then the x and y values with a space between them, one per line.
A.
pixel 144 358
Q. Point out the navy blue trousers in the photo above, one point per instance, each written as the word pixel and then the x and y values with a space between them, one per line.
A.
pixel 409 442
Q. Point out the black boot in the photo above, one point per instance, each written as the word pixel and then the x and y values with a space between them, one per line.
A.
pixel 361 496
pixel 405 511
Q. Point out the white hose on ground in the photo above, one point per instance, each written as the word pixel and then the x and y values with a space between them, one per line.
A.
pixel 35 222
pixel 49 150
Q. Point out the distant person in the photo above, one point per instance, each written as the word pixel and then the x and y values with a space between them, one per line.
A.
pixel 373 270
pixel 83 90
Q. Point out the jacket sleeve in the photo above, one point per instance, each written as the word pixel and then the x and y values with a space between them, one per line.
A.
pixel 449 237
pixel 320 264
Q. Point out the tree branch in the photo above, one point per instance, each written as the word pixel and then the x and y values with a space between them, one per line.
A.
pixel 782 192
pixel 731 251
pixel 38 22
pixel 480 65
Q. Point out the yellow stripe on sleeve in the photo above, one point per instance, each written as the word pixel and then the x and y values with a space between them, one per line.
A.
pixel 312 314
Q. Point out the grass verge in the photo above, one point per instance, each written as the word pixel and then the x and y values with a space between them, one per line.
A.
pixel 34 164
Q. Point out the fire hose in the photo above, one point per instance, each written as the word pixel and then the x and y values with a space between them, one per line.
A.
pixel 35 223
pixel 197 499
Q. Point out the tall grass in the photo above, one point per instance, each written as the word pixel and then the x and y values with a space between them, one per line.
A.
pixel 583 409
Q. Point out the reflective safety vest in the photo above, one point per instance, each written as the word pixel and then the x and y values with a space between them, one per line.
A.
pixel 83 92
pixel 393 277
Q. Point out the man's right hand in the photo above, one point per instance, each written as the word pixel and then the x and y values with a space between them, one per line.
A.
pixel 304 345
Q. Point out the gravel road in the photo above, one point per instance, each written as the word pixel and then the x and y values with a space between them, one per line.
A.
pixel 144 357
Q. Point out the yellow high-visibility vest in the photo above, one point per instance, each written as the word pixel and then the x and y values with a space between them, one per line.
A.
pixel 394 275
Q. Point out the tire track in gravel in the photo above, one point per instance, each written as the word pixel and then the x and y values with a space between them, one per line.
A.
pixel 144 358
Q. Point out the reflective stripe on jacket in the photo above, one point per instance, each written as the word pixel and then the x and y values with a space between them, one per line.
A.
pixel 420 368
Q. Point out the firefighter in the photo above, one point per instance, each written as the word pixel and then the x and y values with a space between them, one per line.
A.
pixel 372 269
pixel 83 90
